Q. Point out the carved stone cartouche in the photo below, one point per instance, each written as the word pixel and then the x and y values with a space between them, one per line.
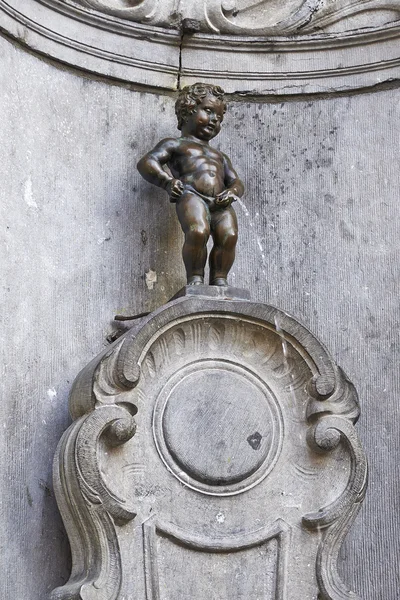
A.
pixel 217 434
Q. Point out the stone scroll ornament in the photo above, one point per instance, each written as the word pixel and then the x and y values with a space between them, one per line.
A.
pixel 213 454
pixel 251 17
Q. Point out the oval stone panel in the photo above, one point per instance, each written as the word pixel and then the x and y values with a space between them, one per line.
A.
pixel 216 424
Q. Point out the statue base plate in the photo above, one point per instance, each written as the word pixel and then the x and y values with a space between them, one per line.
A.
pixel 213 291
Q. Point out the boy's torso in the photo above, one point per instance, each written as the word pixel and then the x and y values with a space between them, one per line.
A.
pixel 198 165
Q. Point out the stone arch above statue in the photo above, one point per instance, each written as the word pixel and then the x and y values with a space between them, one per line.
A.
pixel 297 47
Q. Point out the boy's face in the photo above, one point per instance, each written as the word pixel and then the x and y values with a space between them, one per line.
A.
pixel 205 121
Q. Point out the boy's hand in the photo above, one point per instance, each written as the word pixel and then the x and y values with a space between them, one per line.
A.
pixel 225 198
pixel 175 189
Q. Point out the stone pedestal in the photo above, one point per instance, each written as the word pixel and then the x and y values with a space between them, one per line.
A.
pixel 213 455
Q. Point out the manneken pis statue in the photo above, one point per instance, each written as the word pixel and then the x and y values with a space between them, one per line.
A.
pixel 203 184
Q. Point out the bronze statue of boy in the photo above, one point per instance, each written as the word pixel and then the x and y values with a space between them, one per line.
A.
pixel 203 183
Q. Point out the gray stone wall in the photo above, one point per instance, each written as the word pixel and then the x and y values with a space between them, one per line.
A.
pixel 80 229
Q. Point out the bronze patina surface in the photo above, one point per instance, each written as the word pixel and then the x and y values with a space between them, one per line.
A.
pixel 203 184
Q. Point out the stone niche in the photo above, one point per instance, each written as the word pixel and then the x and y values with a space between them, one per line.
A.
pixel 213 454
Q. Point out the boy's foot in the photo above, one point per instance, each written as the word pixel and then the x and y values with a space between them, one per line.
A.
pixel 219 281
pixel 195 280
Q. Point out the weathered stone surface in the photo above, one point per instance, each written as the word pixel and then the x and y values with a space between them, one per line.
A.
pixel 319 231
pixel 235 452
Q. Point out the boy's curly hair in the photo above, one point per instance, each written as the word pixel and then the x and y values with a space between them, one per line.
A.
pixel 192 95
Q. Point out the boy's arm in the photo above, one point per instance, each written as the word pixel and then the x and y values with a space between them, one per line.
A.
pixel 234 186
pixel 232 181
pixel 151 165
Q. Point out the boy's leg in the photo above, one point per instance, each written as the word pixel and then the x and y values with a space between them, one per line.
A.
pixel 194 218
pixel 224 230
